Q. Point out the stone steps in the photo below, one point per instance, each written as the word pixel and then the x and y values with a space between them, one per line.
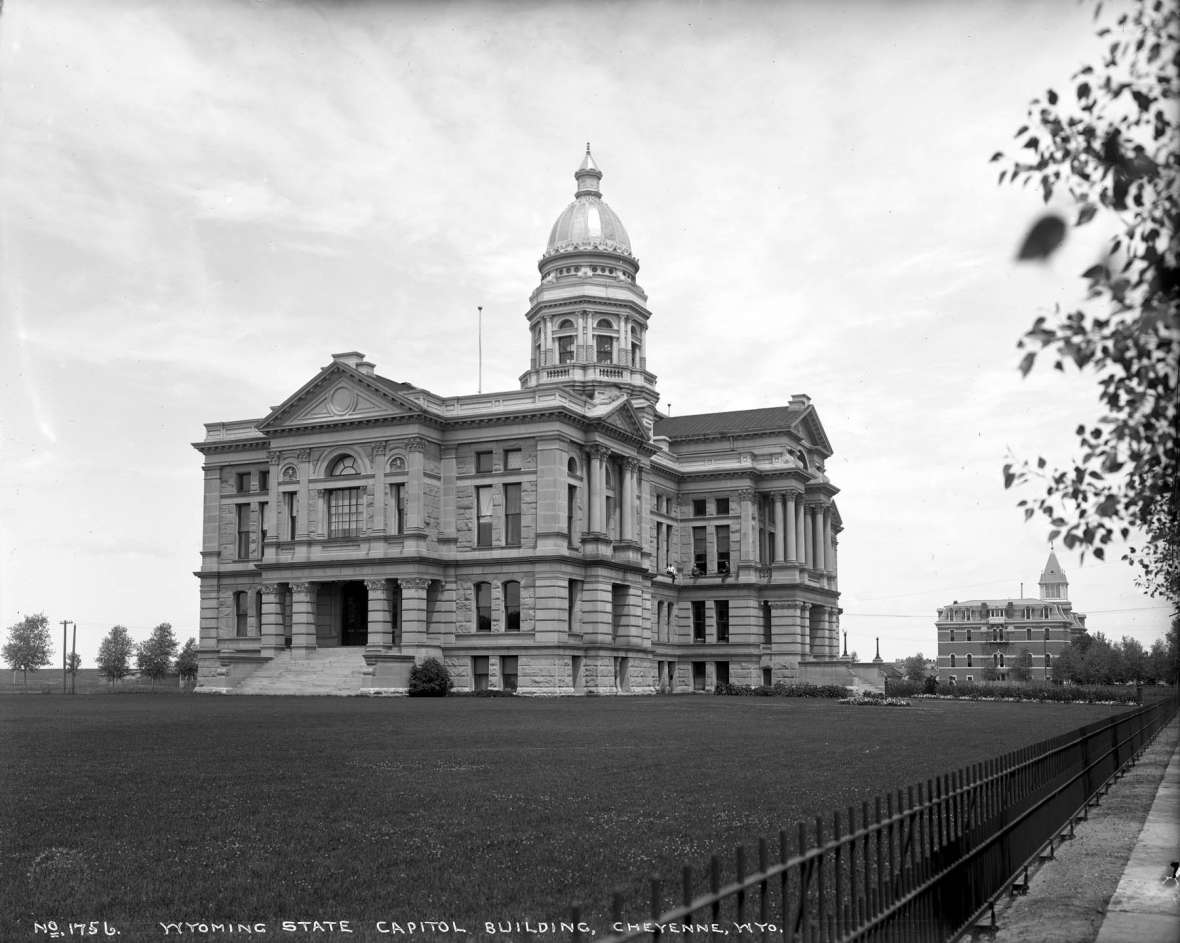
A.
pixel 331 672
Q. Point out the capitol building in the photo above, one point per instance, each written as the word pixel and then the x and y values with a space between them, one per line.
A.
pixel 563 538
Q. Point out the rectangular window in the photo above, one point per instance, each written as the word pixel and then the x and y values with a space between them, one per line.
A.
pixel 722 506
pixel 721 535
pixel 483 516
pixel 574 606
pixel 344 512
pixel 243 512
pixel 565 350
pixel 767 625
pixel 700 559
pixel 660 621
pixel 699 507
pixel 571 505
pixel 721 615
pixel 512 606
pixel 604 349
pixel 698 620
pixel 512 515
pixel 766 678
pixel 483 607
pixel 263 481
pixel 1028 634
pixel 289 513
pixel 479 673
pixel 698 676
pixel 721 669
pixel 512 460
pixel 483 462
pixel 262 506
pixel 508 669
pixel 397 507
pixel 241 619
pixel 243 482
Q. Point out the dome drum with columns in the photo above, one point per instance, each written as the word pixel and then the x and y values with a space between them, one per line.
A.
pixel 588 317
pixel 560 538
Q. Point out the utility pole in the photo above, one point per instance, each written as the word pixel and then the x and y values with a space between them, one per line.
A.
pixel 73 659
pixel 64 656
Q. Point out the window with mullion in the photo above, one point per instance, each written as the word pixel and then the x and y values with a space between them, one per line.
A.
pixel 721 614
pixel 698 621
pixel 511 606
pixel 483 607
pixel 483 516
pixel 243 519
pixel 512 515
pixel 344 512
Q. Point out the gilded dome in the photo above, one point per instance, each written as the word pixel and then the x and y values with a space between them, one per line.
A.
pixel 588 223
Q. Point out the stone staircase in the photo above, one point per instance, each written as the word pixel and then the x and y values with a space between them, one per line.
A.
pixel 326 671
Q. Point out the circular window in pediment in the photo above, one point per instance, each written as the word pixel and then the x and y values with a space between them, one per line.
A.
pixel 342 400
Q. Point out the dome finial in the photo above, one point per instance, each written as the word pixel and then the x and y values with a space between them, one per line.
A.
pixel 588 176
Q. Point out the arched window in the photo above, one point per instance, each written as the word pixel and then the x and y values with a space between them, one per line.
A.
pixel 511 606
pixel 344 465
pixel 483 607
pixel 565 325
pixel 952 661
pixel 969 660
pixel 565 343
pixel 397 465
pixel 604 324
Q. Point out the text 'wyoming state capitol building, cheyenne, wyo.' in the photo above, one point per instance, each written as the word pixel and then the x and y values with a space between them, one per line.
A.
pixel 562 538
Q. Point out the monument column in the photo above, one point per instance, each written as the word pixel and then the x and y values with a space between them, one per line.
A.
pixel 746 526
pixel 780 537
pixel 271 629
pixel 303 617
pixel 303 515
pixel 380 621
pixel 413 628
pixel 598 456
pixel 379 495
pixel 792 544
pixel 827 538
pixel 416 466
pixel 627 510
pixel 808 553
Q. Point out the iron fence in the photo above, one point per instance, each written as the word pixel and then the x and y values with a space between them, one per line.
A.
pixel 926 863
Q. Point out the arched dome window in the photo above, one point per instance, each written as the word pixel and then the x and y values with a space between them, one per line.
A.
pixel 565 325
pixel 604 324
pixel 344 465
pixel 397 465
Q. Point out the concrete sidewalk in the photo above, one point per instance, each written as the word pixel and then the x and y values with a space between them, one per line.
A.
pixel 1145 908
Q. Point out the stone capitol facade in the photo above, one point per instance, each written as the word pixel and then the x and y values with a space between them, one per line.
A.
pixel 562 538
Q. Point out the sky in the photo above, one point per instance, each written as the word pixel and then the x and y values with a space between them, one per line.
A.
pixel 201 202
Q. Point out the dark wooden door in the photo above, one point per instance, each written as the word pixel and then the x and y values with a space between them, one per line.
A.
pixel 354 614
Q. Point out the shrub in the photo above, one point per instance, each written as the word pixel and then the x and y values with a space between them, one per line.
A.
pixel 1035 691
pixel 488 692
pixel 430 679
pixel 781 689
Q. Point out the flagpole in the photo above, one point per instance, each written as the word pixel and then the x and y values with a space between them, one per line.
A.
pixel 479 384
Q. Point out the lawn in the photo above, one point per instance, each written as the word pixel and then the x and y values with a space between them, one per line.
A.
pixel 264 809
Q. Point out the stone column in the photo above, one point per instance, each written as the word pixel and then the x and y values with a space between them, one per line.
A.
pixel 791 546
pixel 800 531
pixel 303 514
pixel 808 554
pixel 746 527
pixel 271 630
pixel 415 466
pixel 447 530
pixel 598 489
pixel 780 536
pixel 380 620
pixel 271 518
pixel 414 611
pixel 379 491
pixel 827 538
pixel 303 606
pixel 817 536
pixel 627 501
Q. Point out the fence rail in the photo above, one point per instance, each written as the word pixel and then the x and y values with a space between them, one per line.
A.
pixel 926 863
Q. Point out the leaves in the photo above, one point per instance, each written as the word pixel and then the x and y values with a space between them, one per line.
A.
pixel 1043 239
pixel 1086 213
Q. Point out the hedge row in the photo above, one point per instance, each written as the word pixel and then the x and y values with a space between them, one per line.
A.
pixel 783 690
pixel 1034 691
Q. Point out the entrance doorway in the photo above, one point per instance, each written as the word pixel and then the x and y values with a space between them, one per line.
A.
pixel 354 613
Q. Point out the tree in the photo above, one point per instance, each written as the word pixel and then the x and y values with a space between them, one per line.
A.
pixel 1022 667
pixel 1111 143
pixel 186 661
pixel 914 667
pixel 114 654
pixel 154 657
pixel 28 647
pixel 1134 659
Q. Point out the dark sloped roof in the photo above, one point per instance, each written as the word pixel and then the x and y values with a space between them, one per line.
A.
pixel 739 422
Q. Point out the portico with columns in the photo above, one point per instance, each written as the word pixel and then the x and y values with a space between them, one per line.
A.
pixel 563 538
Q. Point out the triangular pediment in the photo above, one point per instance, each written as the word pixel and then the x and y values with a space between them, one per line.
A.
pixel 624 418
pixel 811 430
pixel 339 393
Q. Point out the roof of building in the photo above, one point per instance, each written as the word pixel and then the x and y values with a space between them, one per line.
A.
pixel 588 223
pixel 1052 572
pixel 738 422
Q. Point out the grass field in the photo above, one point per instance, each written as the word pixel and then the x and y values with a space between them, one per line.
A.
pixel 262 809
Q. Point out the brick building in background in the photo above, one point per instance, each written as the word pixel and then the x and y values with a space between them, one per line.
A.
pixel 997 635
pixel 562 538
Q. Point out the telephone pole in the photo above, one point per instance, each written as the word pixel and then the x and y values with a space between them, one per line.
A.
pixel 74 659
pixel 64 656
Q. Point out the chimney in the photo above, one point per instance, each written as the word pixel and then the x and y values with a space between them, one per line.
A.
pixel 351 358
pixel 365 367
